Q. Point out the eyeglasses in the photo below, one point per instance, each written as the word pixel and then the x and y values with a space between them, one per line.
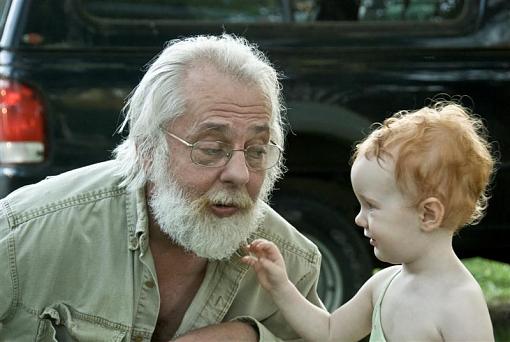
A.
pixel 217 154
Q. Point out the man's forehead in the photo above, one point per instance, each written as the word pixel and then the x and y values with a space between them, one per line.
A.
pixel 221 123
pixel 256 127
pixel 229 129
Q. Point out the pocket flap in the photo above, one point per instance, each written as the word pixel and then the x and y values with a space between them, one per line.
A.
pixel 62 322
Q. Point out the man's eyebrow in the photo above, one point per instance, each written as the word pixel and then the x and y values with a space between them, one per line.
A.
pixel 224 128
pixel 260 128
pixel 211 126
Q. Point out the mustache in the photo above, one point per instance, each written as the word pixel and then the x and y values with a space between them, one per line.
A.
pixel 236 198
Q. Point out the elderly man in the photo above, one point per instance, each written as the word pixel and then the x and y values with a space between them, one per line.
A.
pixel 148 246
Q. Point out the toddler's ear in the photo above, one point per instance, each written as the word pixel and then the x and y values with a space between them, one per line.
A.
pixel 431 214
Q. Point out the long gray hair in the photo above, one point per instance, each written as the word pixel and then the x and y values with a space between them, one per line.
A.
pixel 159 98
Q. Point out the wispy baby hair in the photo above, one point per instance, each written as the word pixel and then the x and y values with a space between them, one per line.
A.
pixel 439 151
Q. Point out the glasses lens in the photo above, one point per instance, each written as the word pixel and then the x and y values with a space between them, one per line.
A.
pixel 210 153
pixel 215 153
pixel 262 157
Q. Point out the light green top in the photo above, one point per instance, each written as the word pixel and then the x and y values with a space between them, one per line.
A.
pixel 76 265
pixel 377 334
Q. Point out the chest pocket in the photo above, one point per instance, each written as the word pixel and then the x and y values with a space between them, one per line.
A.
pixel 61 323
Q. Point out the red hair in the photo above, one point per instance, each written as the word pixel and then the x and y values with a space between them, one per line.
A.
pixel 439 151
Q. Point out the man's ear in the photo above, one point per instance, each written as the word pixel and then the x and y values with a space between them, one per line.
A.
pixel 431 214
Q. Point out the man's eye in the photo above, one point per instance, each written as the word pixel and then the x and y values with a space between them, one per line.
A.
pixel 212 151
pixel 256 152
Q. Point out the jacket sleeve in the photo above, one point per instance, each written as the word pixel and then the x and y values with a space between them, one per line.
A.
pixel 7 259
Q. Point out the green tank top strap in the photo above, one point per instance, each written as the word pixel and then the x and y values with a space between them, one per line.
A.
pixel 377 334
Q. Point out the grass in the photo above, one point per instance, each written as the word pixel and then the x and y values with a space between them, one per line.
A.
pixel 494 279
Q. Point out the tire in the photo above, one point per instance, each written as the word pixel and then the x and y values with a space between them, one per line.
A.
pixel 346 261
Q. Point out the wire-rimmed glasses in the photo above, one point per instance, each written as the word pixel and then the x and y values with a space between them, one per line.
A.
pixel 210 153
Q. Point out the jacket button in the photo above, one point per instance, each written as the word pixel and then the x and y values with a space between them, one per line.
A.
pixel 138 338
pixel 150 284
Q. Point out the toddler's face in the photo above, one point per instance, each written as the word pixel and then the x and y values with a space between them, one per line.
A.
pixel 386 214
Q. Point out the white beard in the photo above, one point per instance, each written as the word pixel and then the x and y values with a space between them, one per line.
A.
pixel 191 225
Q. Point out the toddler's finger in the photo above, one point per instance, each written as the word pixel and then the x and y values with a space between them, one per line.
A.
pixel 246 248
pixel 267 246
pixel 249 260
pixel 256 242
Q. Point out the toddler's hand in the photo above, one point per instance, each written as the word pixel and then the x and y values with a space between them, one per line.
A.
pixel 268 263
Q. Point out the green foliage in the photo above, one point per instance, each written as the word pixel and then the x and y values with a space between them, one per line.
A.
pixel 493 277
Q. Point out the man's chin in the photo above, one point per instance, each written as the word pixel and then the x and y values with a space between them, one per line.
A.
pixel 213 226
pixel 226 234
pixel 210 236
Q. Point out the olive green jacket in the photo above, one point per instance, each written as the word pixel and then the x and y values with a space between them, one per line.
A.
pixel 76 266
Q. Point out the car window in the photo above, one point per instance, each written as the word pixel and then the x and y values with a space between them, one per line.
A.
pixel 3 12
pixel 242 11
pixel 218 10
pixel 149 23
pixel 2 7
pixel 417 10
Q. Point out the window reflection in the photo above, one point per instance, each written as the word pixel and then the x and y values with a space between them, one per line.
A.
pixel 273 11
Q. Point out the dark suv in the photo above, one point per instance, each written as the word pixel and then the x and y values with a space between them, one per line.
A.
pixel 66 67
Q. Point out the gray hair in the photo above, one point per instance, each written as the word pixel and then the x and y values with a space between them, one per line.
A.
pixel 159 98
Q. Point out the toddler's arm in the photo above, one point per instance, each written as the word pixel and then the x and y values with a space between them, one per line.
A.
pixel 351 322
pixel 309 321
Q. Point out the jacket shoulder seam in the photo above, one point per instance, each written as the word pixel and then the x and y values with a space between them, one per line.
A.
pixel 52 207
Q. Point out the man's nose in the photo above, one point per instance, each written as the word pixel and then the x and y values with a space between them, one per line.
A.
pixel 236 171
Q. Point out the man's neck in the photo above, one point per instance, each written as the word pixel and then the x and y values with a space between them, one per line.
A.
pixel 167 252
pixel 180 274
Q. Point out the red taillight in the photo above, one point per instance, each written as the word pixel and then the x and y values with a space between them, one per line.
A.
pixel 22 135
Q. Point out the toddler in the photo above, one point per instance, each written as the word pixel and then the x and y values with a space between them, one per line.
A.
pixel 419 177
